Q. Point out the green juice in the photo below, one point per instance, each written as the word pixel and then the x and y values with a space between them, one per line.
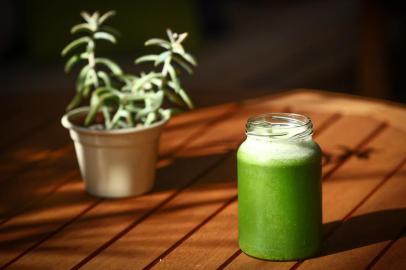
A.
pixel 279 198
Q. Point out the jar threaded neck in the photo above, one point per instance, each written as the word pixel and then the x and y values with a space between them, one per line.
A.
pixel 279 126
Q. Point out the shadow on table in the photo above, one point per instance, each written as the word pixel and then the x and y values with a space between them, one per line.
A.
pixel 191 174
pixel 363 230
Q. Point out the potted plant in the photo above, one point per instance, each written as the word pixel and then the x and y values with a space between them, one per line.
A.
pixel 116 137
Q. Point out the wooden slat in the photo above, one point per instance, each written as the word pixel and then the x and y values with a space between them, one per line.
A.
pixel 196 246
pixel 189 126
pixel 380 110
pixel 128 224
pixel 358 177
pixel 106 218
pixel 373 218
pixel 24 231
pixel 41 146
pixel 44 144
pixel 151 227
pixel 70 204
pixel 148 230
pixel 172 222
pixel 348 187
pixel 372 227
pixel 32 185
pixel 208 232
pixel 28 114
pixel 189 163
pixel 228 134
pixel 343 133
pixel 60 165
pixel 394 258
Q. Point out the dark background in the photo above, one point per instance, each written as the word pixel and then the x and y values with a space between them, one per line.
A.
pixel 244 48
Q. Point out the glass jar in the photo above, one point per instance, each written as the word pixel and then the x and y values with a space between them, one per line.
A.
pixel 279 188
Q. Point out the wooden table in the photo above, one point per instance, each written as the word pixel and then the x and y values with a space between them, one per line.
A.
pixel 189 221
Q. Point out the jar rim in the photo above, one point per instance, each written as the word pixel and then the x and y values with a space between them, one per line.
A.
pixel 279 126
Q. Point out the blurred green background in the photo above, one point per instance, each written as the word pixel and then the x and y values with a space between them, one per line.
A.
pixel 245 48
pixel 48 24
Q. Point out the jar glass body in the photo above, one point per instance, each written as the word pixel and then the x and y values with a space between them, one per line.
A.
pixel 279 190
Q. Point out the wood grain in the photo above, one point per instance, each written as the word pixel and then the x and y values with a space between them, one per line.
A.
pixel 185 160
pixel 353 243
pixel 228 219
pixel 67 205
pixel 380 110
pixel 42 146
pixel 56 167
pixel 28 114
pixel 172 222
pixel 342 133
pixel 394 258
pixel 190 219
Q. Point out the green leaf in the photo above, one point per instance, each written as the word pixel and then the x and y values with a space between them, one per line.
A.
pixel 189 58
pixel 82 78
pixel 178 48
pixel 85 55
pixel 153 101
pixel 127 77
pixel 107 116
pixel 166 67
pixel 104 77
pixel 121 124
pixel 86 90
pixel 157 82
pixel 71 62
pixel 182 93
pixel 144 79
pixel 91 19
pixel 186 98
pixel 128 117
pixel 82 27
pixel 151 117
pixel 146 58
pixel 170 35
pixel 174 98
pixel 106 16
pixel 182 37
pixel 95 16
pixel 110 30
pixel 133 97
pixel 95 99
pixel 128 81
pixel 105 36
pixel 75 102
pixel 76 43
pixel 90 47
pixel 91 80
pixel 86 16
pixel 158 42
pixel 122 113
pixel 130 120
pixel 132 108
pixel 166 113
pixel 182 63
pixel 174 78
pixel 109 64
pixel 98 99
pixel 162 58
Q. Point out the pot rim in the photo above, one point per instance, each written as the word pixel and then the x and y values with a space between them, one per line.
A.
pixel 69 125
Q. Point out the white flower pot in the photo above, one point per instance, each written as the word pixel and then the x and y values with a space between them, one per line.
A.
pixel 115 163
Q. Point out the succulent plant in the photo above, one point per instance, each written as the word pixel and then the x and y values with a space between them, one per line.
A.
pixel 126 100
